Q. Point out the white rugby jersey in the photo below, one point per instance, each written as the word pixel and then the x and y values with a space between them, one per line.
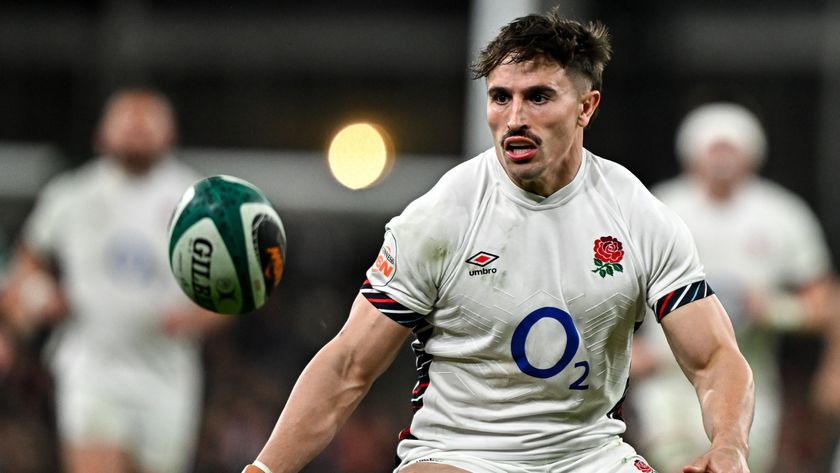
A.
pixel 524 307
pixel 107 233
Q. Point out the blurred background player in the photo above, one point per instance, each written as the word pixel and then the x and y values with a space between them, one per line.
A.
pixel 766 259
pixel 92 262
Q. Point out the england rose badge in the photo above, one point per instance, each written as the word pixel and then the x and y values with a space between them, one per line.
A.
pixel 608 255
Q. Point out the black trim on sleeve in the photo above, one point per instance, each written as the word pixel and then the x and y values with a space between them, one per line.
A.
pixel 391 308
pixel 680 297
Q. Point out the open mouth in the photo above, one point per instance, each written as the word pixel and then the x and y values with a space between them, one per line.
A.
pixel 519 148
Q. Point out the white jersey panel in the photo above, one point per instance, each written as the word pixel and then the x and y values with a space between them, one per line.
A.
pixel 530 304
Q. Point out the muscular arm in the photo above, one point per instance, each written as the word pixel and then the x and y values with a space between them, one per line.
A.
pixel 703 342
pixel 331 387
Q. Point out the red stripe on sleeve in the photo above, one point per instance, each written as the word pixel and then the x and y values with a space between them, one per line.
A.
pixel 664 304
pixel 420 388
pixel 387 301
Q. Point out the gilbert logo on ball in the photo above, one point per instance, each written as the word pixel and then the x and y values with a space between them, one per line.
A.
pixel 227 245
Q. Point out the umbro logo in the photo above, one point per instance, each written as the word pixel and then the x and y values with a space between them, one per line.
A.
pixel 481 259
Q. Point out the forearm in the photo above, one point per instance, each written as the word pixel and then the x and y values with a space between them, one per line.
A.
pixel 703 342
pixel 727 395
pixel 331 386
pixel 805 309
pixel 323 398
pixel 190 320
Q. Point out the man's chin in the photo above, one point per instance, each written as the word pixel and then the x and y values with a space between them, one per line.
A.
pixel 523 174
pixel 137 163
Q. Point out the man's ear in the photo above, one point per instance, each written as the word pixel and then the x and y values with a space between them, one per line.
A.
pixel 589 103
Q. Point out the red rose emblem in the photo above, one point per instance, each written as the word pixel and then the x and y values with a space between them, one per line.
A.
pixel 642 466
pixel 609 250
pixel 608 254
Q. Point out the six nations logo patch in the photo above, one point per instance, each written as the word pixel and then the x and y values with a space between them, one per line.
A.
pixel 385 265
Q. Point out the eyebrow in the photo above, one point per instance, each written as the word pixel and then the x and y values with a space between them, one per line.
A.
pixel 535 89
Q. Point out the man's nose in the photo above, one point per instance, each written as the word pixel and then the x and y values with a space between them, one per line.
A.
pixel 516 115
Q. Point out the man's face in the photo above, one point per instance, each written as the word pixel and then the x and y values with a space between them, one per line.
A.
pixel 137 131
pixel 722 166
pixel 537 114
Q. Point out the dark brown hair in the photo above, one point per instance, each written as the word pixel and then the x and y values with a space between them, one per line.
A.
pixel 581 49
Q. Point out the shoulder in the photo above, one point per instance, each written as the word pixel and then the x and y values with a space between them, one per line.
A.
pixel 655 232
pixel 786 209
pixel 623 191
pixel 770 192
pixel 60 200
pixel 611 177
pixel 464 180
pixel 75 182
pixel 610 169
pixel 444 213
pixel 176 171
pixel 675 189
pixel 455 193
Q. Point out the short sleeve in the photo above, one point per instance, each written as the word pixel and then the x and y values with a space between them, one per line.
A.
pixel 670 255
pixel 409 268
pixel 400 271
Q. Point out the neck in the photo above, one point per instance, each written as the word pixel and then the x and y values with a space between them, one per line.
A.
pixel 565 172
pixel 720 191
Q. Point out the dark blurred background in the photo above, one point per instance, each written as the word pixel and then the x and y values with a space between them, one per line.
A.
pixel 261 86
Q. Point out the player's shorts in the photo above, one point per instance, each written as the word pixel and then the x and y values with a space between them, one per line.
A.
pixel 157 429
pixel 613 457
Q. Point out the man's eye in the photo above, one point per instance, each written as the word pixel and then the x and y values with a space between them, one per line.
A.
pixel 501 99
pixel 539 98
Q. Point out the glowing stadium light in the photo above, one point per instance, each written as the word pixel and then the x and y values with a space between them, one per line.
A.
pixel 359 156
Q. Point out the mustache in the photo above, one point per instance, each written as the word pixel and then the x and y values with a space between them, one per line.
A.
pixel 522 132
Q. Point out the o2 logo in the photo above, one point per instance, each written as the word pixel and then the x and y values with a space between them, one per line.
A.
pixel 520 335
pixel 130 260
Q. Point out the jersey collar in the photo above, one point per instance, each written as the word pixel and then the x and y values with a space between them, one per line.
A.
pixel 530 199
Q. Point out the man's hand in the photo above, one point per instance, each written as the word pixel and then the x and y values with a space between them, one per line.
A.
pixel 193 322
pixel 31 296
pixel 720 460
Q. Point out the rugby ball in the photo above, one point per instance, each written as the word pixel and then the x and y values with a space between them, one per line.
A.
pixel 227 245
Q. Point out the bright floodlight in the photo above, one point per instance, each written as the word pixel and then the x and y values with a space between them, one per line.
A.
pixel 359 156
